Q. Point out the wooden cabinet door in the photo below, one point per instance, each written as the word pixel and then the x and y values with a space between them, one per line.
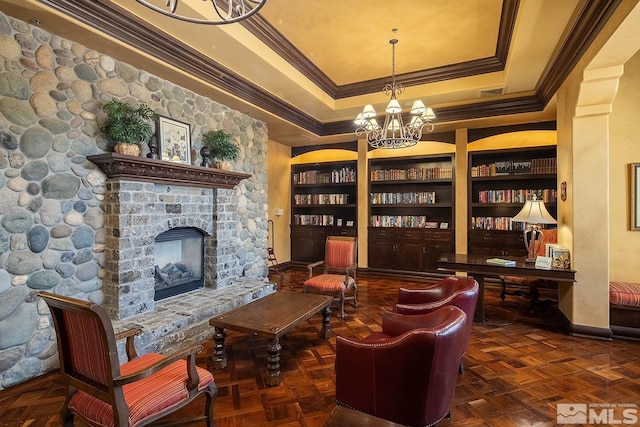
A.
pixel 382 254
pixel 409 255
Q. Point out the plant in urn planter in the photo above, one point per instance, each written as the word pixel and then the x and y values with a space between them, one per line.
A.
pixel 128 126
pixel 222 147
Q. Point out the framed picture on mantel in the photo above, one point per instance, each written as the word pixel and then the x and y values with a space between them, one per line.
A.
pixel 634 200
pixel 174 138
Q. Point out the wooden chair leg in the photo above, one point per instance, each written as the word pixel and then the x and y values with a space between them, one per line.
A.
pixel 208 411
pixel 355 294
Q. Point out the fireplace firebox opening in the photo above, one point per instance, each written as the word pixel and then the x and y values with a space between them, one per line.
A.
pixel 179 262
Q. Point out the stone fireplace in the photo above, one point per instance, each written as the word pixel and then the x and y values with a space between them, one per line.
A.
pixel 145 199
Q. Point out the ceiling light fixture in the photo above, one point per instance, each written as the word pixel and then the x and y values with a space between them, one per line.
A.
pixel 227 11
pixel 394 134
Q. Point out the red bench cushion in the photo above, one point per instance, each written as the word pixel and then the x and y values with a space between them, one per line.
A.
pixel 624 293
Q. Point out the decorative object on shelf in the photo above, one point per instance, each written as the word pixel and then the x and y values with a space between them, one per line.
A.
pixel 128 126
pixel 394 133
pixel 226 11
pixel 153 148
pixel 221 147
pixel 175 140
pixel 533 213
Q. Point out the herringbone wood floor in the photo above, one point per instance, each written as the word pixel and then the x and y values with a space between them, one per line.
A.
pixel 519 366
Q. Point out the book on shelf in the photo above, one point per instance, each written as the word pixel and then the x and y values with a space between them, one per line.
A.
pixel 502 262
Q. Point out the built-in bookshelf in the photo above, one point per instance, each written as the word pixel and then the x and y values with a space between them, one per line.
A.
pixel 411 212
pixel 500 182
pixel 323 203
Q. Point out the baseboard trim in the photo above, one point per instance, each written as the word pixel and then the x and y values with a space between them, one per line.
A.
pixel 583 331
pixel 593 332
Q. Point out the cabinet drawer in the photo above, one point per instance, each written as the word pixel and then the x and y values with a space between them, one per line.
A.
pixel 381 233
pixel 350 231
pixel 302 231
pixel 320 232
pixel 439 236
pixel 514 239
pixel 480 237
pixel 408 234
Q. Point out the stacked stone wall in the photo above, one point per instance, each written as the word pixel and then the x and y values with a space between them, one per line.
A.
pixel 52 220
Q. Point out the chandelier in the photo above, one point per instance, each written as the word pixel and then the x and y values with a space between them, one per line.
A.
pixel 227 11
pixel 394 133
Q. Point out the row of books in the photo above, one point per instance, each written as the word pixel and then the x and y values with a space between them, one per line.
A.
pixel 421 197
pixel 516 196
pixel 516 167
pixel 313 219
pixel 411 221
pixel 411 174
pixel 336 176
pixel 495 223
pixel 321 199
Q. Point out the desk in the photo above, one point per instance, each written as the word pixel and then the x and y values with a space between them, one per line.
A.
pixel 271 316
pixel 477 267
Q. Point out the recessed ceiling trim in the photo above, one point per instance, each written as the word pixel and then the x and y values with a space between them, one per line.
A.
pixel 270 36
pixel 592 18
pixel 117 22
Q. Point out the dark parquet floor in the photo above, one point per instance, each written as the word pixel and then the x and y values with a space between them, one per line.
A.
pixel 519 366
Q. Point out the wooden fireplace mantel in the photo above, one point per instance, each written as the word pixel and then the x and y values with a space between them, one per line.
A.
pixel 121 166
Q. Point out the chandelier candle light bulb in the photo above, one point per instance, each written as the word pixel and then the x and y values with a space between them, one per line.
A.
pixel 394 133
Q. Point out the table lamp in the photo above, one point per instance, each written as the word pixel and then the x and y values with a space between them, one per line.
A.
pixel 533 213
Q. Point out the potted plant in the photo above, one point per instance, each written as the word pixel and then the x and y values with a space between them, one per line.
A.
pixel 128 126
pixel 221 147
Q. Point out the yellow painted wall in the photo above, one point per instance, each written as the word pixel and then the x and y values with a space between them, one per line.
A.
pixel 624 149
pixel 522 139
pixel 279 197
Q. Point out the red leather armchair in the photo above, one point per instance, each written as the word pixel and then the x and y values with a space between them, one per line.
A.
pixel 407 373
pixel 461 292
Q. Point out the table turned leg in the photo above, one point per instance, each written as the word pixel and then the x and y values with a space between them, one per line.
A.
pixel 273 362
pixel 325 332
pixel 219 352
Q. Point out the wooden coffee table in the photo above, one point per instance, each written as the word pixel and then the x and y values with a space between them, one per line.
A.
pixel 272 317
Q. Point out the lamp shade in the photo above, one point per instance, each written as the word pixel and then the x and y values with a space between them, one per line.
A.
pixel 368 111
pixel 418 107
pixel 429 114
pixel 534 212
pixel 393 107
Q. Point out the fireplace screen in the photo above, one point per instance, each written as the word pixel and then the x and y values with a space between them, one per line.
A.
pixel 179 260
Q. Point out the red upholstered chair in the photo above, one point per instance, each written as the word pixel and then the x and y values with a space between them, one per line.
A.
pixel 407 373
pixel 339 271
pixel 533 285
pixel 103 393
pixel 461 292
